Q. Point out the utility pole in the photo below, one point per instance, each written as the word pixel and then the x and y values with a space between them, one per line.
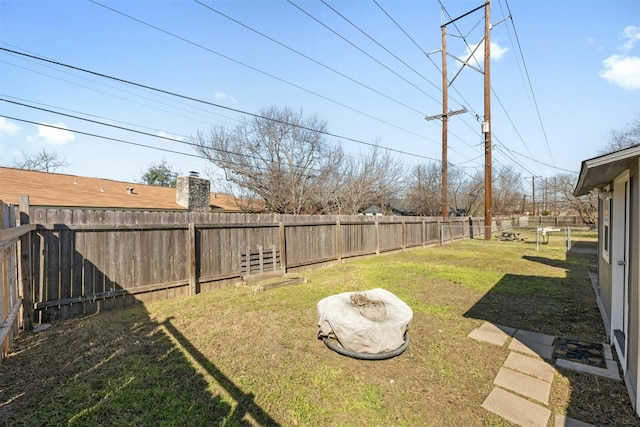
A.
pixel 486 125
pixel 555 196
pixel 544 195
pixel 445 122
pixel 533 194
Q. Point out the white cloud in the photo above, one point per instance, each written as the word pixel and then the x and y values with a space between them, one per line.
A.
pixel 221 96
pixel 168 135
pixel 623 71
pixel 8 128
pixel 632 33
pixel 54 136
pixel 497 53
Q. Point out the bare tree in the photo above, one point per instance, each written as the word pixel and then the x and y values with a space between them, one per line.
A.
pixel 507 191
pixel 624 138
pixel 361 181
pixel 43 161
pixel 585 206
pixel 466 194
pixel 424 193
pixel 280 156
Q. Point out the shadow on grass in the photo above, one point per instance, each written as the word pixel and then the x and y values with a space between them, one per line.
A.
pixel 245 403
pixel 116 368
pixel 559 306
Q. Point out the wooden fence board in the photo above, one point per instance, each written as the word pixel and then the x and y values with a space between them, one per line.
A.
pixel 10 301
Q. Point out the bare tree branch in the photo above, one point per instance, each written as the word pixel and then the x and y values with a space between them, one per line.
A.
pixel 43 161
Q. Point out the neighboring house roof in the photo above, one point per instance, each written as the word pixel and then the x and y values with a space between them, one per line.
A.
pixel 600 171
pixel 73 191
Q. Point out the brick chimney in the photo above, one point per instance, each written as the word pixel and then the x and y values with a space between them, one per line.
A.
pixel 193 192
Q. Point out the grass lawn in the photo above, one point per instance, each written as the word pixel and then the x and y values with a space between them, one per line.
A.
pixel 234 357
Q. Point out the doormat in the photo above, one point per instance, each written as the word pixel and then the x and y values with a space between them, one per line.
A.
pixel 589 353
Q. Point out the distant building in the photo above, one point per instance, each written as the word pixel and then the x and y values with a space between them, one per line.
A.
pixel 62 191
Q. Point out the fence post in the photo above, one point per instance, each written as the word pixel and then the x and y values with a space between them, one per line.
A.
pixel 193 256
pixel 338 241
pixel 4 279
pixel 404 235
pixel 283 247
pixel 25 267
pixel 377 236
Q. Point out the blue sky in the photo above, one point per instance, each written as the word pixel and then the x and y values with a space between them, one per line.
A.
pixel 563 75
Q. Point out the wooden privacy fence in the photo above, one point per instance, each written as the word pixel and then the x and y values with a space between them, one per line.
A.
pixel 82 262
pixel 14 244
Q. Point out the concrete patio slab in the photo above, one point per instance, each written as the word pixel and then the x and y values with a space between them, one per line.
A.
pixel 528 337
pixel 533 367
pixel 516 409
pixel 493 334
pixel 610 372
pixel 523 384
pixel 532 348
pixel 564 421
pixel 488 326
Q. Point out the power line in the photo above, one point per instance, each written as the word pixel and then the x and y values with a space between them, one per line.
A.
pixel 377 43
pixel 310 58
pixel 126 99
pixel 258 71
pixel 535 102
pixel 103 137
pixel 211 103
pixel 538 161
pixel 75 111
pixel 203 157
pixel 191 144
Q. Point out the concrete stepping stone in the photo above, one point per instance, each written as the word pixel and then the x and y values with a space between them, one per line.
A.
pixel 493 334
pixel 516 409
pixel 523 384
pixel 534 337
pixel 564 421
pixel 533 344
pixel 533 367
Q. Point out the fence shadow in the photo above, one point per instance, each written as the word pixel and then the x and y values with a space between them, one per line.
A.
pixel 563 307
pixel 118 368
pixel 245 401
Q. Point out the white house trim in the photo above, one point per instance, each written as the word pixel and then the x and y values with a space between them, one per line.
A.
pixel 619 263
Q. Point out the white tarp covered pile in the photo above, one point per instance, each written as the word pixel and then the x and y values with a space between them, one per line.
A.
pixel 340 318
